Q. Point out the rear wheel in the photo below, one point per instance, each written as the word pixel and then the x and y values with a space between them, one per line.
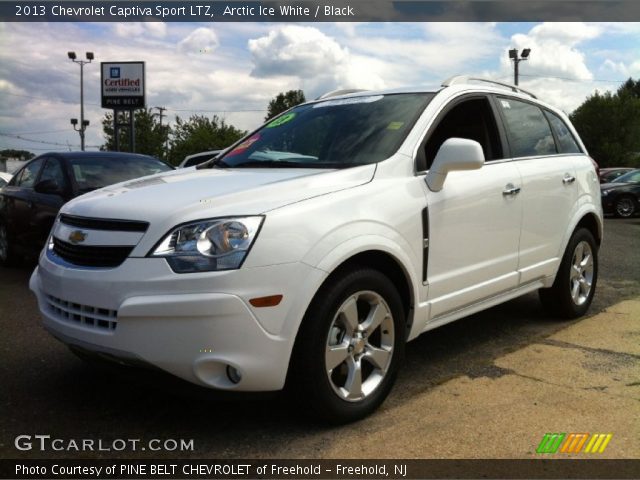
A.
pixel 572 291
pixel 625 207
pixel 349 346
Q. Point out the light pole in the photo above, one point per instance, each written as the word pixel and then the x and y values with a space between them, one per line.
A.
pixel 513 55
pixel 83 123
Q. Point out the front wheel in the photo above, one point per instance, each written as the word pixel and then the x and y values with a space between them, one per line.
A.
pixel 349 346
pixel 572 291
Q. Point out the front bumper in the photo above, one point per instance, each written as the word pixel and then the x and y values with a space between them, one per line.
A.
pixel 193 326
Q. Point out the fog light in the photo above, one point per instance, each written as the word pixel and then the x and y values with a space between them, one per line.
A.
pixel 234 375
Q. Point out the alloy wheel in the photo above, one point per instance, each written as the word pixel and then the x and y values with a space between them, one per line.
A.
pixel 581 273
pixel 359 346
pixel 625 207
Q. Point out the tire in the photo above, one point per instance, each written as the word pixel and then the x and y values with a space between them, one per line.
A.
pixel 360 314
pixel 625 207
pixel 8 256
pixel 572 291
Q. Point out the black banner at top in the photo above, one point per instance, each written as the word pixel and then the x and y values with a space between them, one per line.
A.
pixel 321 11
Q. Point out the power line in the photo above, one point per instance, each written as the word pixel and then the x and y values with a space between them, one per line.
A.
pixel 71 102
pixel 68 102
pixel 39 133
pixel 216 111
pixel 19 137
pixel 568 79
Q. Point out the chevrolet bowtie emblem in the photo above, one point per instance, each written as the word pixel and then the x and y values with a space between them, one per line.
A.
pixel 77 236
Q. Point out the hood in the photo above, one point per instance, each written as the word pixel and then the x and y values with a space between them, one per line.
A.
pixel 184 195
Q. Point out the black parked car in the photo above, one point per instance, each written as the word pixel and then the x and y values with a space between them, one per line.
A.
pixel 29 203
pixel 622 196
pixel 608 175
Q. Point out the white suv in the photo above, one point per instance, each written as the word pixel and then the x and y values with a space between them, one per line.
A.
pixel 312 250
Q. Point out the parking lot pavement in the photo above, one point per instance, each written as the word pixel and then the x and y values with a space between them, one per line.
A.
pixel 489 385
pixel 583 379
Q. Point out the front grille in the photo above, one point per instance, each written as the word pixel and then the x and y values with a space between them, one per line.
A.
pixel 104 223
pixel 90 256
pixel 94 317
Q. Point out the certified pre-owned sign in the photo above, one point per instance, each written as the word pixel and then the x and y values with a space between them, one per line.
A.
pixel 122 85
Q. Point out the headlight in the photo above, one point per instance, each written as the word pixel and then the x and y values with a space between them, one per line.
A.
pixel 209 245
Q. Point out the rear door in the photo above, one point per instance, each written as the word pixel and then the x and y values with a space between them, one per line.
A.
pixel 549 188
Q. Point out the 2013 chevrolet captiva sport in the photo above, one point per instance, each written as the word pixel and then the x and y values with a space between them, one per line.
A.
pixel 311 251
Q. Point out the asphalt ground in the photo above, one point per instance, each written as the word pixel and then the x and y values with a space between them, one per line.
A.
pixel 488 386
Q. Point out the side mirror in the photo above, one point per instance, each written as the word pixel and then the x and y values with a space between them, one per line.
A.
pixel 454 154
pixel 48 186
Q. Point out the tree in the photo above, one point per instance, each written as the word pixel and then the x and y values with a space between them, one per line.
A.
pixel 283 102
pixel 200 134
pixel 151 137
pixel 12 154
pixel 609 125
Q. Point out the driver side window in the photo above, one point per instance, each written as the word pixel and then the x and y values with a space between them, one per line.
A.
pixel 53 171
pixel 472 119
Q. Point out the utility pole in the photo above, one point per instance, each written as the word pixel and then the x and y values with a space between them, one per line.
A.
pixel 83 123
pixel 161 115
pixel 513 55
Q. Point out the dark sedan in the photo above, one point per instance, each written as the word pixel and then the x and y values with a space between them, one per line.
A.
pixel 622 196
pixel 30 202
pixel 608 175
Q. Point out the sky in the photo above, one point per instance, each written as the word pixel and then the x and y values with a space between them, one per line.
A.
pixel 233 69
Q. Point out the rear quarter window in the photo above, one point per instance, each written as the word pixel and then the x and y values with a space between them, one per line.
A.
pixel 566 142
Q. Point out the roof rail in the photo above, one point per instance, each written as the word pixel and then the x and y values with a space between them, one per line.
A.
pixel 335 93
pixel 457 79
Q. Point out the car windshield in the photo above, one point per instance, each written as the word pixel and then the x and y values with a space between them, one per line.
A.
pixel 335 133
pixel 92 173
pixel 633 176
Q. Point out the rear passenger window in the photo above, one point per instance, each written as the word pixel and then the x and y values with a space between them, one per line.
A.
pixel 528 130
pixel 566 142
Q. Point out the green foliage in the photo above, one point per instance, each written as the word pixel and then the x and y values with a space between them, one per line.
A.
pixel 201 134
pixel 150 139
pixel 283 102
pixel 609 125
pixel 13 154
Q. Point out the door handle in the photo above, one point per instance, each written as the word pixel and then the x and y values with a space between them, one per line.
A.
pixel 568 179
pixel 510 189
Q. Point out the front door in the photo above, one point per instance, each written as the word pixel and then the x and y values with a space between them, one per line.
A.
pixel 474 221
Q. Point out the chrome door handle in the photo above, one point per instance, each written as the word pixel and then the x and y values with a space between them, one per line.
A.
pixel 568 179
pixel 510 189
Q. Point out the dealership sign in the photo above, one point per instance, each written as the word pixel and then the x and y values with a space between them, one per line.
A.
pixel 123 85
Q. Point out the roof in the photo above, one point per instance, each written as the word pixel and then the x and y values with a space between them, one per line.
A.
pixel 460 82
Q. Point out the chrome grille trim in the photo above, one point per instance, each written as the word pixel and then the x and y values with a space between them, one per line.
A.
pixel 86 315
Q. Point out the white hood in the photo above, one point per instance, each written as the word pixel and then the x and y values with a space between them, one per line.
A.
pixel 167 199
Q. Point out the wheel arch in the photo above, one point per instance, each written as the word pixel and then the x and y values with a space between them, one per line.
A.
pixel 591 222
pixel 388 265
